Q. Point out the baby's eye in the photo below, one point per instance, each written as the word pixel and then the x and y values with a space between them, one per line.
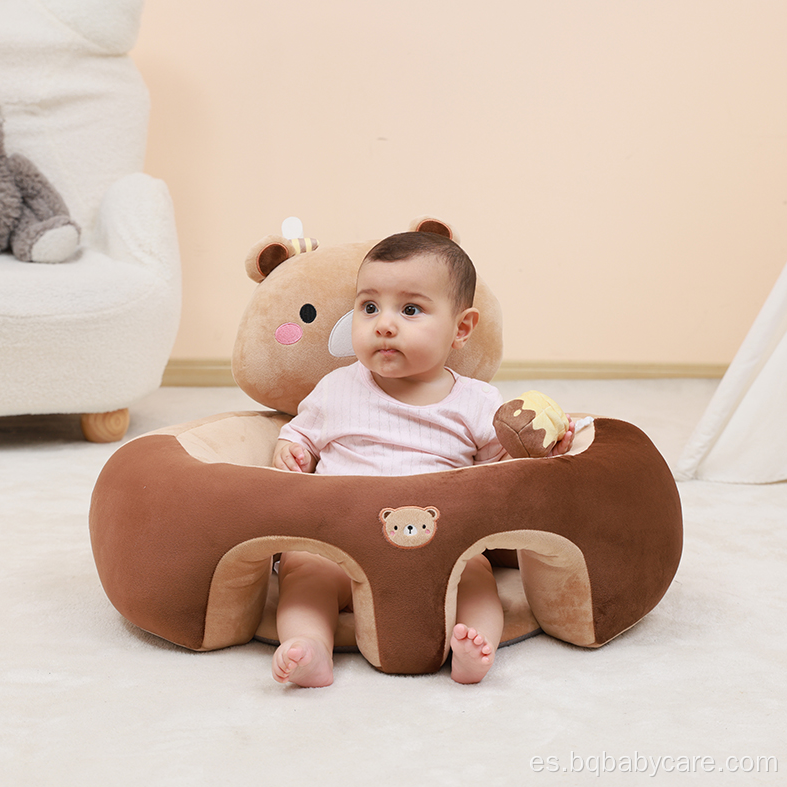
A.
pixel 411 310
pixel 369 308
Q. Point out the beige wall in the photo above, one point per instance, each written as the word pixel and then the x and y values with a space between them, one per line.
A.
pixel 617 170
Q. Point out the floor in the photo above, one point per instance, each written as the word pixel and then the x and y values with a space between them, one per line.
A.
pixel 694 693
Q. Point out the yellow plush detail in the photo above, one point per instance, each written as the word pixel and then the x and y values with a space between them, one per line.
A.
pixel 549 415
pixel 303 245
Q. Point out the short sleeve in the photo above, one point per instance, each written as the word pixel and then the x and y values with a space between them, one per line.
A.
pixel 487 401
pixel 306 427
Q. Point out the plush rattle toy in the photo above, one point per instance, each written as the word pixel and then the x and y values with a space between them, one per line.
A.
pixel 35 224
pixel 531 425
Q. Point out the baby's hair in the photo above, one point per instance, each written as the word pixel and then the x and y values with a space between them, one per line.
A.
pixel 406 245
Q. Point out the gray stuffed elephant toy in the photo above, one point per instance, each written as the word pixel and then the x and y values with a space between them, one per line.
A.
pixel 35 225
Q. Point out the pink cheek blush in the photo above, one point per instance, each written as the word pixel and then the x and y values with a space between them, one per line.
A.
pixel 289 333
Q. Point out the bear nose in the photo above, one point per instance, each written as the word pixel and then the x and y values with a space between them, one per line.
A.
pixel 410 530
pixel 288 333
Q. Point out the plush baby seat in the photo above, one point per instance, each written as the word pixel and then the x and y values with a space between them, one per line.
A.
pixel 185 522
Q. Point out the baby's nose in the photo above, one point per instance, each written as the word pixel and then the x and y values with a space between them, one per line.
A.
pixel 386 325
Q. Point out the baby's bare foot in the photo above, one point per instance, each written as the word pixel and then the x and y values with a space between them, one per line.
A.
pixel 472 655
pixel 304 662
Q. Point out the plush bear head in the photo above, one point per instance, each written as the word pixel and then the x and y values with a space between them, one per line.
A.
pixel 296 327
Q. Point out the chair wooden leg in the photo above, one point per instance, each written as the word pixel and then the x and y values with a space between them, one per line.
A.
pixel 105 427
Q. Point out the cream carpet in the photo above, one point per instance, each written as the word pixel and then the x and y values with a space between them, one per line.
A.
pixel 695 693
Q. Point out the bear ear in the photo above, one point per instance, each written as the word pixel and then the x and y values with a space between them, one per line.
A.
pixel 433 512
pixel 270 252
pixel 429 224
pixel 385 513
pixel 265 255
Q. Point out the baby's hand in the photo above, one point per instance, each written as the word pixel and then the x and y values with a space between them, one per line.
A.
pixel 563 446
pixel 293 457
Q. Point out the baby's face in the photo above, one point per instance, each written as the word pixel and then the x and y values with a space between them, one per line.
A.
pixel 404 322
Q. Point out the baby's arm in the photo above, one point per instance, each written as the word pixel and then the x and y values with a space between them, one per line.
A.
pixel 293 457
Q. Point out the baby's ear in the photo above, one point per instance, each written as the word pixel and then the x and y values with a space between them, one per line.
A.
pixel 467 324
pixel 270 252
pixel 429 224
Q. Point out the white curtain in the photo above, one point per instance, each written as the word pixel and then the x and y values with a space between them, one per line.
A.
pixel 742 436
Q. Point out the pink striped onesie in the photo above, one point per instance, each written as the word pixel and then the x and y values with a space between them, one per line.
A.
pixel 354 428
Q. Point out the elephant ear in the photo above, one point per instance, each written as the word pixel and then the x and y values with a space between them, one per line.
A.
pixel 430 224
pixel 271 251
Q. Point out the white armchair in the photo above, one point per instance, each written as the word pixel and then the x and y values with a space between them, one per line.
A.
pixel 93 334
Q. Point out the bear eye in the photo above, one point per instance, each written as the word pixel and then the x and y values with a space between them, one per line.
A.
pixel 308 313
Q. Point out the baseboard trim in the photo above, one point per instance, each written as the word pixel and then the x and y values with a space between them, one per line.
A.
pixel 581 370
pixel 198 373
pixel 217 372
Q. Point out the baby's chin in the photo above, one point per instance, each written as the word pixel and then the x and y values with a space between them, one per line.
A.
pixel 387 363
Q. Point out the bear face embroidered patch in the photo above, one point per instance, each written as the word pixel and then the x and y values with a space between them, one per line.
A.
pixel 409 527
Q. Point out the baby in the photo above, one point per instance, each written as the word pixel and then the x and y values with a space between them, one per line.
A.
pixel 397 411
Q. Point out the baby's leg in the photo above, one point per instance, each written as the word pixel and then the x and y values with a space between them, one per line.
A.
pixel 312 590
pixel 479 616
